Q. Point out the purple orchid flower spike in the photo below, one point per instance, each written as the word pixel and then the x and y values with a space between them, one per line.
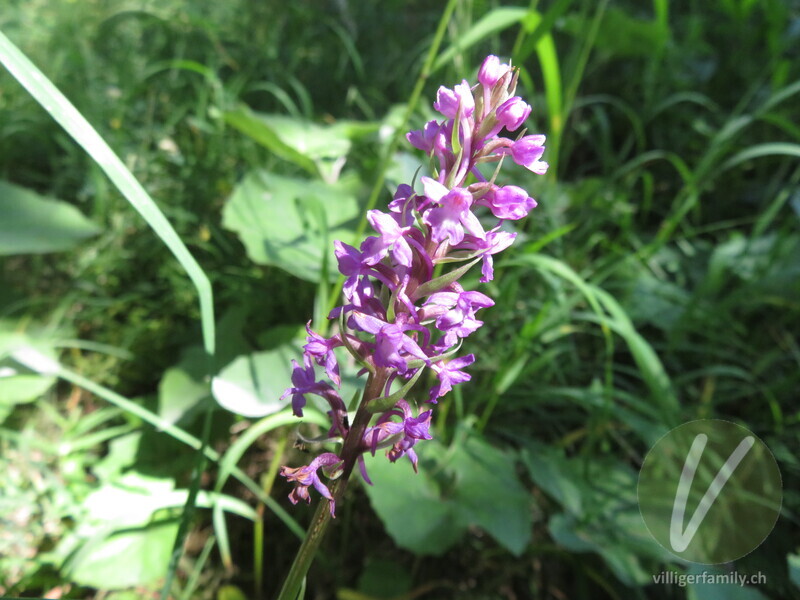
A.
pixel 352 265
pixel 391 235
pixel 405 312
pixel 458 321
pixel 494 242
pixel 491 71
pixel 425 139
pixel 392 345
pixel 400 435
pixel 414 429
pixel 512 113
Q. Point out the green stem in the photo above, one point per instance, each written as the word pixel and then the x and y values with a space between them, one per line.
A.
pixel 319 523
pixel 258 527
pixel 188 509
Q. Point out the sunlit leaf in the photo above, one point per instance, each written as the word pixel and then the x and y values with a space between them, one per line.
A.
pixel 143 551
pixel 428 512
pixel 33 224
pixel 278 219
pixel 252 384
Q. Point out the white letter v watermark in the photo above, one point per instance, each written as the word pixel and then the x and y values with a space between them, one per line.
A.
pixel 680 540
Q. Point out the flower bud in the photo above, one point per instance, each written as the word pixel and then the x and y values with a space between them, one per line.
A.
pixel 447 101
pixel 509 202
pixel 424 139
pixel 491 71
pixel 513 112
pixel 527 151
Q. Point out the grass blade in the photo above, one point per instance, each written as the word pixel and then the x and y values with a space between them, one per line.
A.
pixel 496 20
pixel 74 123
pixel 39 363
pixel 760 150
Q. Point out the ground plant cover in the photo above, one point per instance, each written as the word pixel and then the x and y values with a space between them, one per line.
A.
pixel 185 191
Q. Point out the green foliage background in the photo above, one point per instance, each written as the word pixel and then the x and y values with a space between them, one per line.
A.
pixel 657 282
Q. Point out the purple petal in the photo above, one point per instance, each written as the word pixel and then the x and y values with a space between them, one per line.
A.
pixel 433 189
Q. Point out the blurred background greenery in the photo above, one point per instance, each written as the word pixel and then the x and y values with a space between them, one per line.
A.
pixel 657 282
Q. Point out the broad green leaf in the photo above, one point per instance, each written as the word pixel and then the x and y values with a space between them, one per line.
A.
pixel 125 521
pixel 34 224
pixel 18 383
pixel 318 149
pixel 121 455
pixel 279 218
pixel 182 388
pixel 384 579
pixel 255 126
pixel 546 466
pixel 619 549
pixel 116 526
pixel 252 384
pixel 143 551
pixel 621 34
pixel 131 500
pixel 769 265
pixel 411 506
pixel 488 493
pixel 655 301
pixel 428 512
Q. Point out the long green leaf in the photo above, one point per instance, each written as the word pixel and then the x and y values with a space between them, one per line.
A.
pixel 535 27
pixel 610 315
pixel 553 87
pixel 38 362
pixel 760 150
pixel 496 20
pixel 74 123
pixel 66 115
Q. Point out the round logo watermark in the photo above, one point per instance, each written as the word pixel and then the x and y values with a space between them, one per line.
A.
pixel 710 491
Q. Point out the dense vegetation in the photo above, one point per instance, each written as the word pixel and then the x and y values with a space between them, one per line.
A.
pixel 657 282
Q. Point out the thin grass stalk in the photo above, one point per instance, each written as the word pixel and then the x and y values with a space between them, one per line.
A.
pixel 188 509
pixel 46 366
pixel 267 482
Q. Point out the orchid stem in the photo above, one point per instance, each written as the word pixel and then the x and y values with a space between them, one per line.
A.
pixel 322 517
